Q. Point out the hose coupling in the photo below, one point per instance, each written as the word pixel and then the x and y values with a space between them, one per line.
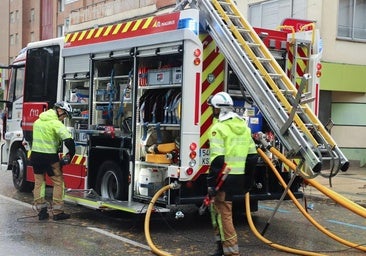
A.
pixel 175 185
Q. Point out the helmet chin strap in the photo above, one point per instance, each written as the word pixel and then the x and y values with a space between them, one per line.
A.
pixel 58 115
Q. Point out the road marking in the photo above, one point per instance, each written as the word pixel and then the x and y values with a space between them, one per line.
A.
pixel 16 201
pixel 347 224
pixel 123 239
pixel 272 209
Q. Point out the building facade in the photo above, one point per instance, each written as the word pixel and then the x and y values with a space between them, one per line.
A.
pixel 33 20
pixel 341 23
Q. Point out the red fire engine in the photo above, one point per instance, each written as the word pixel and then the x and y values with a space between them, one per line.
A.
pixel 139 93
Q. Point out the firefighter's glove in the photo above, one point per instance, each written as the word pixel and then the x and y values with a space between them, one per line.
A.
pixel 211 191
pixel 65 160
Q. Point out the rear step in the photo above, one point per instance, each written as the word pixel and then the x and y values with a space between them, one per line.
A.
pixel 89 198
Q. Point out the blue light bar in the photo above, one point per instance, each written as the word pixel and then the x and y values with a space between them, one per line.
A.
pixel 188 23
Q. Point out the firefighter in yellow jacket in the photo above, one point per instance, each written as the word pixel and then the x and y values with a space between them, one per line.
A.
pixel 49 134
pixel 230 142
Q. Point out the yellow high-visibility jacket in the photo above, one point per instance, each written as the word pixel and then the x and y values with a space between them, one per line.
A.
pixel 48 133
pixel 231 138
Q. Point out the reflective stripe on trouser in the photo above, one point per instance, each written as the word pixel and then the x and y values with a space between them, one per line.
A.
pixel 221 216
pixel 215 222
pixel 58 189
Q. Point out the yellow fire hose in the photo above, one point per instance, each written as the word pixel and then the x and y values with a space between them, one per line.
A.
pixel 157 251
pixel 331 194
pixel 265 240
pixel 154 249
pixel 301 208
pixel 352 206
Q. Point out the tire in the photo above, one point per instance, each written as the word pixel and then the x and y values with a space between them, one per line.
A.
pixel 110 182
pixel 19 172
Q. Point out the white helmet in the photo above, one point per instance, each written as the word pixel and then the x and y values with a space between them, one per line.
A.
pixel 64 106
pixel 221 100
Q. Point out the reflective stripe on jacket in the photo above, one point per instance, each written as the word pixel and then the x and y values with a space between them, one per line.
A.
pixel 231 138
pixel 252 147
pixel 48 133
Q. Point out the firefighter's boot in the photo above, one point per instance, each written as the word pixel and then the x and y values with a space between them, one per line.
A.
pixel 219 250
pixel 43 214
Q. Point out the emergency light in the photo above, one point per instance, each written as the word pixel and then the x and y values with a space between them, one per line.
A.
pixel 188 23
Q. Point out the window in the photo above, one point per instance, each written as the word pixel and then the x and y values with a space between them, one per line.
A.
pixel 351 19
pixel 61 5
pixel 19 83
pixel 32 15
pixel 12 17
pixel 69 1
pixel 270 14
pixel 42 74
pixel 60 30
pixel 12 40
pixel 16 86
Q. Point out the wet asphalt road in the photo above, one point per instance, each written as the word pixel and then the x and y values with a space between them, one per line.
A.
pixel 91 232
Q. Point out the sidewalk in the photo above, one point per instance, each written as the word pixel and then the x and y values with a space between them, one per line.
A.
pixel 350 184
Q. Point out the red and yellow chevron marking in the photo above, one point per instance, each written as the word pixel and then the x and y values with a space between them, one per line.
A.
pixel 79 160
pixel 128 29
pixel 301 63
pixel 213 75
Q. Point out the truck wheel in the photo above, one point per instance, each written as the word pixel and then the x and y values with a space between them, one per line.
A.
pixel 110 181
pixel 19 171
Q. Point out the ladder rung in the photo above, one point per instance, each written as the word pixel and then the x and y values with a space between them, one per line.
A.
pixel 287 92
pixel 275 75
pixel 243 30
pixel 329 158
pixel 312 125
pixel 231 16
pixel 224 3
pixel 253 45
pixel 263 59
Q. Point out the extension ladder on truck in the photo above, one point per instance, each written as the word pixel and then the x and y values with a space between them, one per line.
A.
pixel 293 122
